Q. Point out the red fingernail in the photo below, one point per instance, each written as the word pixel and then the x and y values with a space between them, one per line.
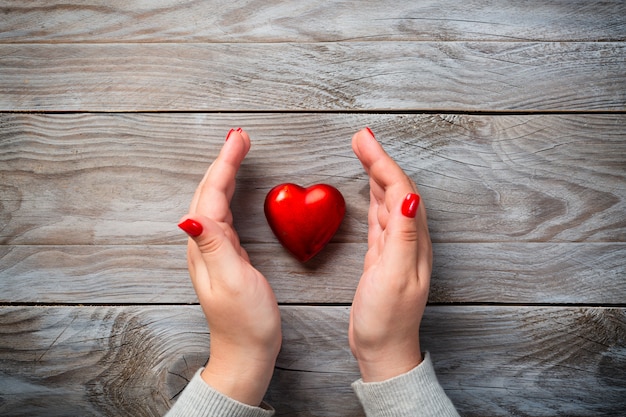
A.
pixel 191 227
pixel 230 132
pixel 239 130
pixel 370 130
pixel 410 204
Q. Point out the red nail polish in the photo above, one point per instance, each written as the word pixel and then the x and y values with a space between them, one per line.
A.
pixel 191 227
pixel 228 134
pixel 239 130
pixel 410 204
pixel 370 130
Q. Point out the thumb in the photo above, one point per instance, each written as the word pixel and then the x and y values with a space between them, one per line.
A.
pixel 212 245
pixel 403 235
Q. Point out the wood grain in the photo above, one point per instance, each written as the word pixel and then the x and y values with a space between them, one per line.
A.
pixel 309 21
pixel 118 361
pixel 510 117
pixel 126 179
pixel 411 76
pixel 533 273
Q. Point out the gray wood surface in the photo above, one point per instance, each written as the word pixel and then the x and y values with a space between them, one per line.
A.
pixel 510 117
pixel 441 76
pixel 134 360
pixel 309 21
pixel 128 178
pixel 534 273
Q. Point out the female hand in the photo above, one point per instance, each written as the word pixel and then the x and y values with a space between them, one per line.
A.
pixel 391 296
pixel 239 304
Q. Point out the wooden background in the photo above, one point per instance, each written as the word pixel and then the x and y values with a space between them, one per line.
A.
pixel 510 117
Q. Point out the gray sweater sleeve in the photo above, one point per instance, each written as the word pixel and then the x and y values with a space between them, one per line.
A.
pixel 200 400
pixel 415 393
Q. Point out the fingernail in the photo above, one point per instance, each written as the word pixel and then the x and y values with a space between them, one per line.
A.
pixel 230 132
pixel 410 204
pixel 370 130
pixel 239 130
pixel 191 227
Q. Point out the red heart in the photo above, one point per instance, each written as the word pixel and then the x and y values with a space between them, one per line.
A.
pixel 304 219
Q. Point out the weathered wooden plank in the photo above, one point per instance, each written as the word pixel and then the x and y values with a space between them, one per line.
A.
pixel 534 273
pixel 128 178
pixel 441 76
pixel 532 356
pixel 309 21
pixel 497 361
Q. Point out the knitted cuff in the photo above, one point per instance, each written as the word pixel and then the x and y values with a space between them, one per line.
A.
pixel 201 400
pixel 414 393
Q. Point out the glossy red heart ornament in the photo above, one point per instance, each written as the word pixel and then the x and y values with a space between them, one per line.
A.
pixel 304 219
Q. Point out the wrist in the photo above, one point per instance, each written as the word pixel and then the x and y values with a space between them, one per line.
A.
pixel 244 380
pixel 381 367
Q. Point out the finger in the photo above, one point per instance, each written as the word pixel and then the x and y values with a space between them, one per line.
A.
pixel 215 249
pixel 402 237
pixel 374 222
pixel 221 173
pixel 388 182
pixel 387 179
pixel 398 225
pixel 213 195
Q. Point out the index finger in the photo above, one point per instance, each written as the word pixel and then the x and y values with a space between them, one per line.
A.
pixel 387 179
pixel 213 195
